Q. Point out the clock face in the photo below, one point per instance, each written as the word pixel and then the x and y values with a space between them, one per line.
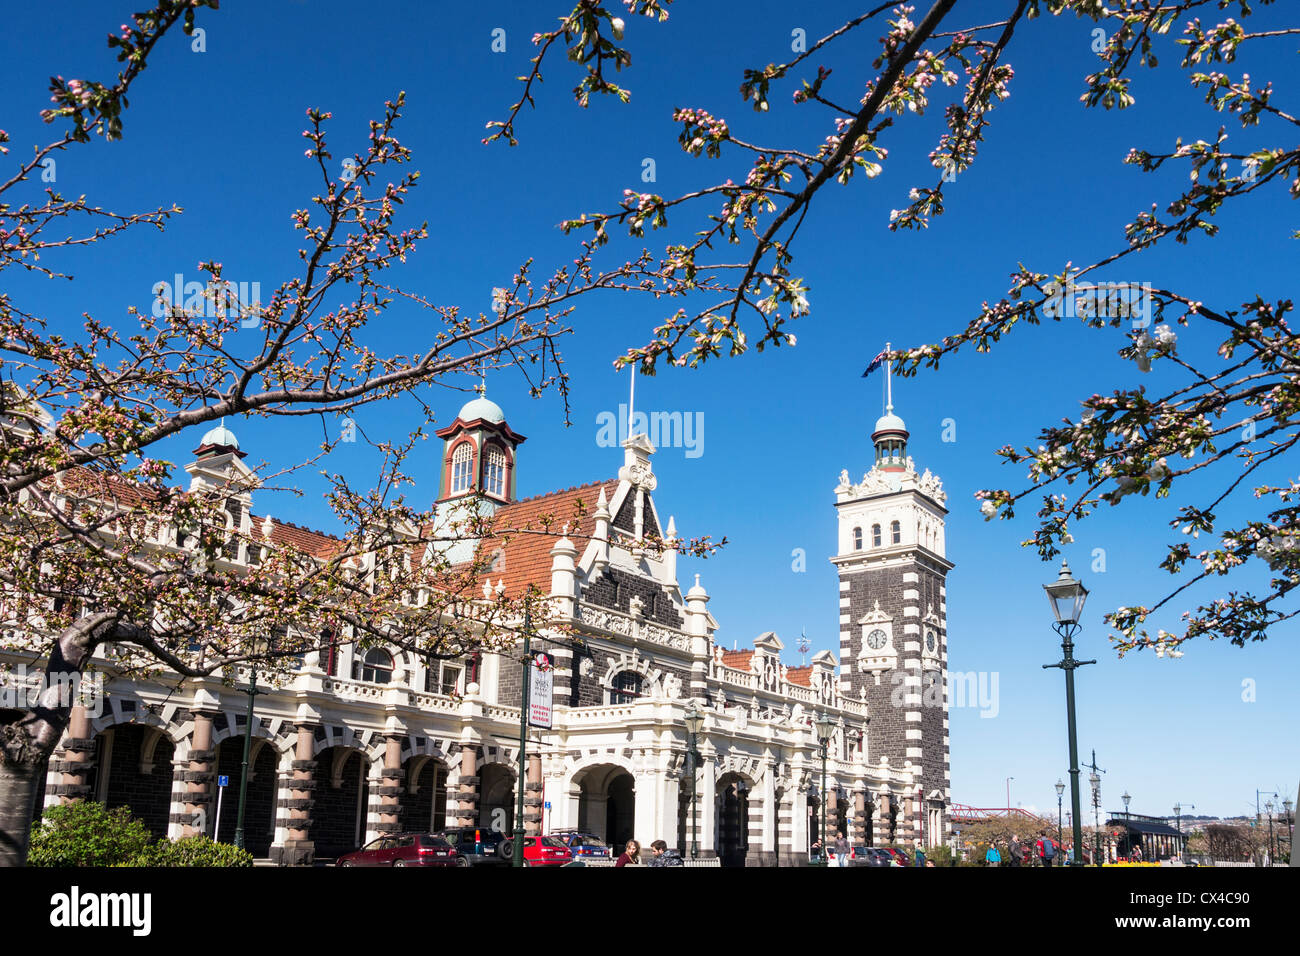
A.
pixel 929 641
pixel 876 639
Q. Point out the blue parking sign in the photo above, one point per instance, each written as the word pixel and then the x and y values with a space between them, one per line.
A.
pixel 223 781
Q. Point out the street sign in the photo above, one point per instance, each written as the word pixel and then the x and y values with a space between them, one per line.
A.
pixel 540 691
pixel 548 804
pixel 223 781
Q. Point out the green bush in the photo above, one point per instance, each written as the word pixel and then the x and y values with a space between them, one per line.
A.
pixel 86 834
pixel 192 851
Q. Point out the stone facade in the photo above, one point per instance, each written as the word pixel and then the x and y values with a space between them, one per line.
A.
pixel 338 760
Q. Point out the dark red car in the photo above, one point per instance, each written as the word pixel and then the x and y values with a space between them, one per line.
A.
pixel 402 849
pixel 902 858
pixel 539 851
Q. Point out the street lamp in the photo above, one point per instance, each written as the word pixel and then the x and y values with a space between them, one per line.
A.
pixel 1272 853
pixel 1290 835
pixel 823 726
pixel 1128 834
pixel 1067 596
pixel 1060 792
pixel 694 724
pixel 1095 780
pixel 248 744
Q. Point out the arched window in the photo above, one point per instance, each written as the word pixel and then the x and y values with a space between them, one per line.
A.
pixel 626 688
pixel 462 468
pixel 896 532
pixel 376 666
pixel 494 472
pixel 875 535
pixel 857 539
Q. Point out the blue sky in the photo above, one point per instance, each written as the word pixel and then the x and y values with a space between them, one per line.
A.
pixel 218 133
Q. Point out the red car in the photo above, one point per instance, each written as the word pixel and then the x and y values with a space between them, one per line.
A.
pixel 402 849
pixel 539 851
pixel 899 855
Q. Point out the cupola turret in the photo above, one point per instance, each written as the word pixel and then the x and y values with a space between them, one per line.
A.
pixel 479 451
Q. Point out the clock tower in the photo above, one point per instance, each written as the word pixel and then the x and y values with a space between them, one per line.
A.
pixel 893 621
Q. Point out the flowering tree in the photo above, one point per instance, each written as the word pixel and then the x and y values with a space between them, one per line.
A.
pixel 1230 417
pixel 106 563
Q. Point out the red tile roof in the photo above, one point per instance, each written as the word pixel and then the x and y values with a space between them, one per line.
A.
pixel 316 543
pixel 739 660
pixel 800 675
pixel 528 529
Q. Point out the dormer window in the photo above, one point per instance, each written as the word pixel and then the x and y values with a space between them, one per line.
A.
pixel 462 468
pixel 494 472
pixel 857 539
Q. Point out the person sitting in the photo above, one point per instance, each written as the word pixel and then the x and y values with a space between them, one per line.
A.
pixel 664 856
pixel 631 854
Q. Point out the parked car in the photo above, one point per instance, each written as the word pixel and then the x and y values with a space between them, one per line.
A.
pixel 403 849
pixel 870 856
pixel 539 851
pixel 584 846
pixel 476 846
pixel 902 858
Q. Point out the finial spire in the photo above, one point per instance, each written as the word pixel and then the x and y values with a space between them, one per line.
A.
pixel 889 383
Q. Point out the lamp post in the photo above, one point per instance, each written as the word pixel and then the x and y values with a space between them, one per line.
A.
pixel 1095 780
pixel 1009 779
pixel 523 737
pixel 823 727
pixel 1268 808
pixel 1128 834
pixel 694 724
pixel 1067 596
pixel 1060 792
pixel 248 746
pixel 1290 835
pixel 1178 822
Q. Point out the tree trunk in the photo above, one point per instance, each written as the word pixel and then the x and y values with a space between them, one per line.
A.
pixel 19 783
pixel 28 736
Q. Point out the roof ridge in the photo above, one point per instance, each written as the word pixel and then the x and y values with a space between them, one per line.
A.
pixel 564 491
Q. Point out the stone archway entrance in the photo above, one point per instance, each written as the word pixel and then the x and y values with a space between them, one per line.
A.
pixel 259 807
pixel 133 768
pixel 424 805
pixel 733 819
pixel 496 801
pixel 607 804
pixel 340 801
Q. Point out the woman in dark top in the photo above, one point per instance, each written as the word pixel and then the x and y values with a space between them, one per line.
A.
pixel 632 854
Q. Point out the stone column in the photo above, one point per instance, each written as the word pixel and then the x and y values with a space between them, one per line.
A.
pixel 533 796
pixel 771 811
pixel 859 837
pixel 645 819
pixel 198 777
pixel 390 786
pixel 708 799
pixel 74 761
pixel 467 806
pixel 299 849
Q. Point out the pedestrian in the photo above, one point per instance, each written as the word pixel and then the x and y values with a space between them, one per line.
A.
pixel 1013 851
pixel 664 856
pixel 631 854
pixel 1046 848
pixel 841 849
pixel 991 856
pixel 920 854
